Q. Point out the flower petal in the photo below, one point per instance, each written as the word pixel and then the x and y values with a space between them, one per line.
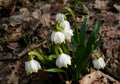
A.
pixel 65 24
pixel 57 37
pixel 99 63
pixel 63 60
pixel 32 66
pixel 60 17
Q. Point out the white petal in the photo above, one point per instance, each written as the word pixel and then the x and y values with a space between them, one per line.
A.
pixel 32 66
pixel 96 64
pixel 99 63
pixel 65 24
pixel 52 36
pixel 57 37
pixel 27 67
pixel 59 62
pixel 68 33
pixel 102 62
pixel 60 17
pixel 63 60
pixel 37 64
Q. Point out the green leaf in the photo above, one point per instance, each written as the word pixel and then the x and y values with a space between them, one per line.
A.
pixel 94 34
pixel 51 57
pixel 52 48
pixel 36 53
pixel 97 28
pixel 65 48
pixel 97 43
pixel 83 32
pixel 80 5
pixel 70 11
pixel 116 1
pixel 82 53
pixel 54 70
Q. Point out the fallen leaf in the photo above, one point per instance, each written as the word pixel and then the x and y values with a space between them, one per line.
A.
pixel 101 4
pixel 45 19
pixel 97 77
pixel 117 6
pixel 36 14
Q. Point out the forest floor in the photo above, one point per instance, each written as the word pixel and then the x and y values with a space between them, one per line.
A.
pixel 26 25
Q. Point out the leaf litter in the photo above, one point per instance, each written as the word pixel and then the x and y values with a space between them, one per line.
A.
pixel 36 18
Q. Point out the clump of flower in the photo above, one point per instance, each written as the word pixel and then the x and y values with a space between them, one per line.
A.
pixel 58 36
pixel 60 58
pixel 62 30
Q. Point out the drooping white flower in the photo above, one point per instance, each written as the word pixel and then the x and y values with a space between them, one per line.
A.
pixel 65 24
pixel 32 66
pixel 98 63
pixel 63 60
pixel 57 37
pixel 68 34
pixel 60 17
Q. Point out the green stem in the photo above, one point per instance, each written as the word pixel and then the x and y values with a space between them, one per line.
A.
pixel 97 56
pixel 60 50
pixel 57 27
pixel 30 57
pixel 56 49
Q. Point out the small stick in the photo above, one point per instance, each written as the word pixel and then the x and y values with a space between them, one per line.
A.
pixel 21 55
pixel 115 76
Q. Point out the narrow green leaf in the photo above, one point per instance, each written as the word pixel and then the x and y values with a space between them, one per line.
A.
pixel 94 34
pixel 97 28
pixel 80 5
pixel 70 11
pixel 83 32
pixel 54 70
pixel 65 48
pixel 97 43
pixel 52 48
pixel 51 57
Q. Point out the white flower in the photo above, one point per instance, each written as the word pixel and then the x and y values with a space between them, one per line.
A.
pixel 57 37
pixel 65 24
pixel 98 63
pixel 32 66
pixel 68 34
pixel 63 60
pixel 60 17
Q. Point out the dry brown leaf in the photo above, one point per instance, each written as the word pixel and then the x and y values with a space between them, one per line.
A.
pixel 101 4
pixel 36 14
pixel 15 36
pixel 117 6
pixel 13 78
pixel 6 3
pixel 45 19
pixel 97 77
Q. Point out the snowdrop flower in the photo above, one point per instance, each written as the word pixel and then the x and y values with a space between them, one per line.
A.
pixel 60 17
pixel 63 60
pixel 68 34
pixel 57 37
pixel 98 63
pixel 65 24
pixel 32 66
